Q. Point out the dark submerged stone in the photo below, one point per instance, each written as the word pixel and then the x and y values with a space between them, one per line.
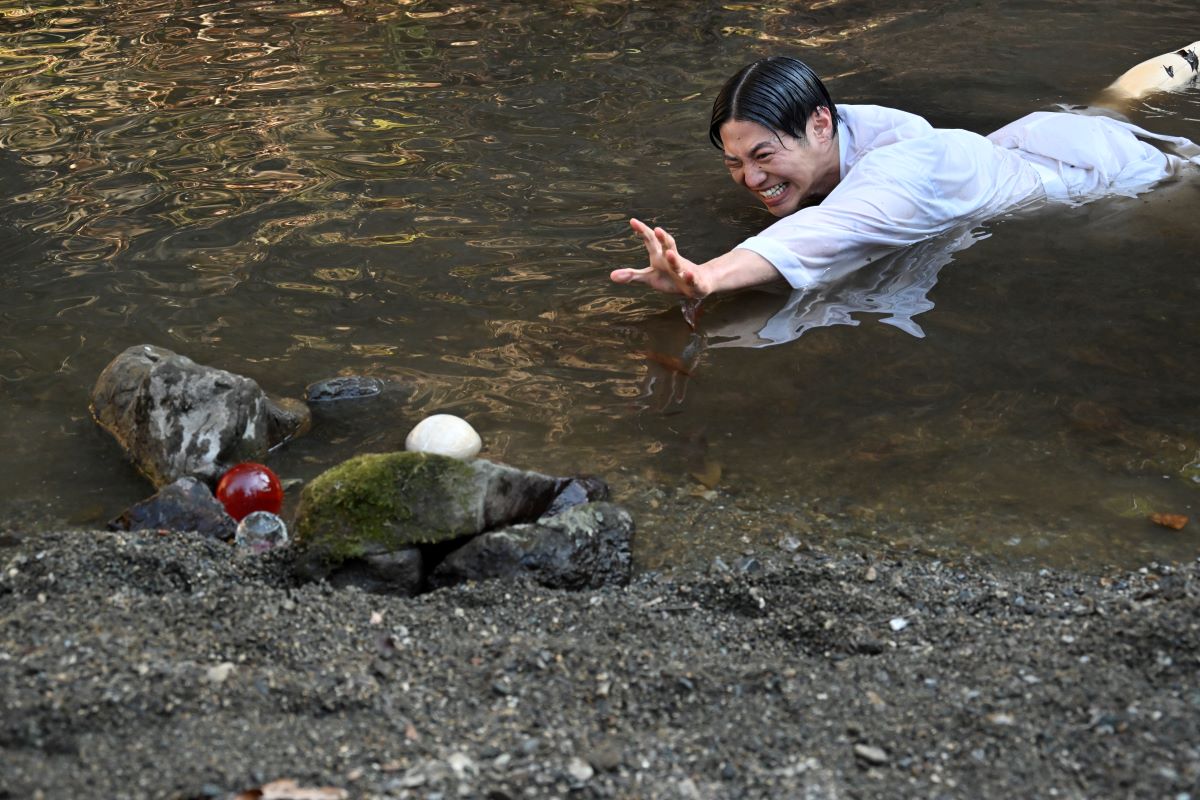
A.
pixel 346 387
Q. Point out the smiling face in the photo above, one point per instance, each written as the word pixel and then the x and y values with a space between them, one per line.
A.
pixel 784 172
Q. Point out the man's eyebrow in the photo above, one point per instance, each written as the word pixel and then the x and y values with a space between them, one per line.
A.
pixel 753 150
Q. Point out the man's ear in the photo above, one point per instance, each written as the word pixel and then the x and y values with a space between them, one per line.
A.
pixel 821 124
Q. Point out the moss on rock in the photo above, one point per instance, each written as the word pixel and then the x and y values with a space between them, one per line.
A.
pixel 382 502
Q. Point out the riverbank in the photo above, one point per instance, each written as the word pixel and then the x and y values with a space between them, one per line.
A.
pixel 147 665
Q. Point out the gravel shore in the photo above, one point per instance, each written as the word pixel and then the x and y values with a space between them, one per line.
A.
pixel 154 665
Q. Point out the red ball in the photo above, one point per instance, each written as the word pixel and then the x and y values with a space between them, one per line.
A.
pixel 250 487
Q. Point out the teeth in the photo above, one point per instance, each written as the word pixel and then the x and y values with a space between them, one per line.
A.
pixel 774 191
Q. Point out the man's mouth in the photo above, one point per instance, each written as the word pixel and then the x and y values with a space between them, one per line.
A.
pixel 774 191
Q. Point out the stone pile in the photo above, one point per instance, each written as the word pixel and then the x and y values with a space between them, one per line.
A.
pixel 398 523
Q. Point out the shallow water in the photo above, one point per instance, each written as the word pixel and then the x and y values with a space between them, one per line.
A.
pixel 433 193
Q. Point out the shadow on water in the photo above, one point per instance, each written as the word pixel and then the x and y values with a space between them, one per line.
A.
pixel 433 194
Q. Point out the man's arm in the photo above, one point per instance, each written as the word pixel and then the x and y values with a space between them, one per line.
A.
pixel 671 273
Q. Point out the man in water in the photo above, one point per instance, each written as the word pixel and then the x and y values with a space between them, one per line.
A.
pixel 851 184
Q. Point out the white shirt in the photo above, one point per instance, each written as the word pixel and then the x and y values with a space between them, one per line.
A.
pixel 904 181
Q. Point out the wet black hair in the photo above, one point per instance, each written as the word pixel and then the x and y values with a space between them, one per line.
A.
pixel 779 93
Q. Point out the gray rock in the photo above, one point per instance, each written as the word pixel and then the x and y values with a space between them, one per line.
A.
pixel 175 417
pixel 185 505
pixel 346 387
pixel 585 547
pixel 577 491
pixel 384 502
pixel 401 573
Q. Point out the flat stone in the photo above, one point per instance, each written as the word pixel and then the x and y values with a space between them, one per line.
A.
pixel 345 387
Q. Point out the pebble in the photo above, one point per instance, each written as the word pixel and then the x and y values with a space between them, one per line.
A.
pixel 898 623
pixel 580 770
pixel 605 756
pixel 444 435
pixel 461 763
pixel 749 565
pixel 871 754
pixel 220 673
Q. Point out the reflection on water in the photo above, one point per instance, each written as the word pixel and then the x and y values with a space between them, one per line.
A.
pixel 434 192
pixel 897 286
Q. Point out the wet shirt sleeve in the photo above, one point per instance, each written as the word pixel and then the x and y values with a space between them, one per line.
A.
pixel 893 197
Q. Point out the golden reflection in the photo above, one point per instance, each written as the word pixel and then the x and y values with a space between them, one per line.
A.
pixel 319 12
pixel 375 350
pixel 310 287
pixel 440 13
pixel 312 343
pixel 144 107
pixel 339 274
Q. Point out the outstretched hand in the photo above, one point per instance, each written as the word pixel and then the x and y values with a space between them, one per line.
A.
pixel 668 272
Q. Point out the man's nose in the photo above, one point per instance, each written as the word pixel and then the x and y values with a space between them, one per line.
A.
pixel 754 176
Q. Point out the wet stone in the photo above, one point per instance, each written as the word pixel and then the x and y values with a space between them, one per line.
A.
pixel 175 418
pixel 577 491
pixel 346 387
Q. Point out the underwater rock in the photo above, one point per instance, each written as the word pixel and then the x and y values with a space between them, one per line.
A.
pixel 185 505
pixel 174 417
pixel 444 435
pixel 585 547
pixel 346 387
pixel 384 502
pixel 577 491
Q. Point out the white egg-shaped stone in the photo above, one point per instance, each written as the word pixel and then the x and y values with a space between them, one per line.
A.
pixel 444 435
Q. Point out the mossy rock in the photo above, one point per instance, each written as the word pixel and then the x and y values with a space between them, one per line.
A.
pixel 384 502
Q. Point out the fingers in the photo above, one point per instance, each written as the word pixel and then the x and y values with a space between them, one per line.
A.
pixel 682 275
pixel 668 270
pixel 685 278
pixel 649 238
pixel 626 275
pixel 666 240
